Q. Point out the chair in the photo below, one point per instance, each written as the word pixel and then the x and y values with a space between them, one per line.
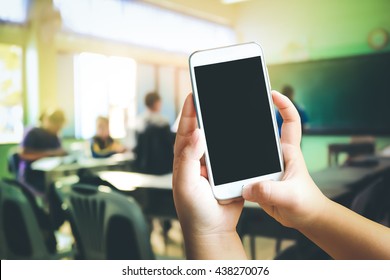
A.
pixel 373 202
pixel 105 223
pixel 13 163
pixel 22 235
pixel 154 150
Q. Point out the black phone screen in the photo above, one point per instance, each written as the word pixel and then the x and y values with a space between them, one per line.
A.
pixel 237 120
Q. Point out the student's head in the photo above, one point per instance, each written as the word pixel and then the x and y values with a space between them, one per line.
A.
pixel 53 120
pixel 153 101
pixel 288 91
pixel 102 127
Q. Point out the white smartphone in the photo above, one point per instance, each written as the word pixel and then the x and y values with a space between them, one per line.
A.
pixel 235 111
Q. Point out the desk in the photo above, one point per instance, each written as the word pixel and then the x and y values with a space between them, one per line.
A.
pixel 154 193
pixel 56 167
pixel 337 183
pixel 352 149
pixel 341 184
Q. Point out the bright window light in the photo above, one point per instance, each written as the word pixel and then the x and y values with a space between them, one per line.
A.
pixel 11 102
pixel 104 86
pixel 13 10
pixel 143 24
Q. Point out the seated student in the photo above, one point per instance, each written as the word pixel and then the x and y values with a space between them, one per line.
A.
pixel 209 227
pixel 41 142
pixel 102 144
pixel 288 91
pixel 154 149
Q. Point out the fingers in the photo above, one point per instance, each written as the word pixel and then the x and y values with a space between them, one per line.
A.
pixel 268 192
pixel 238 200
pixel 194 146
pixel 291 128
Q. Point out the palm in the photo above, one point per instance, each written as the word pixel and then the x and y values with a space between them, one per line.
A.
pixel 194 200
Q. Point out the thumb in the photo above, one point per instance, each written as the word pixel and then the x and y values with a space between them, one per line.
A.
pixel 188 152
pixel 193 147
pixel 267 192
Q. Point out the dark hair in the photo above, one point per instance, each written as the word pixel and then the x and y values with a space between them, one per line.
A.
pixel 151 98
pixel 288 91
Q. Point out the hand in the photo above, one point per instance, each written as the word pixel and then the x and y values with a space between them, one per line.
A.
pixel 118 148
pixel 57 153
pixel 295 201
pixel 209 227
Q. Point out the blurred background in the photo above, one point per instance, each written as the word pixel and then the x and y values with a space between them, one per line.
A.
pixel 103 58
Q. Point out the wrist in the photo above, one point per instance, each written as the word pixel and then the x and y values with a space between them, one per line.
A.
pixel 319 210
pixel 224 245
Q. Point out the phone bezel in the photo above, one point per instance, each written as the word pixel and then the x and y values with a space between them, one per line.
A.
pixel 224 54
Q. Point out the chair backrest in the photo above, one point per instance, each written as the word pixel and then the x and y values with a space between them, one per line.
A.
pixel 154 150
pixel 13 163
pixel 373 202
pixel 106 224
pixel 20 233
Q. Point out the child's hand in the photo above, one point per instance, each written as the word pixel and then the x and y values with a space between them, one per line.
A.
pixel 209 228
pixel 295 201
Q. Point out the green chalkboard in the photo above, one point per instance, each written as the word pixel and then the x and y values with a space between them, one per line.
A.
pixel 348 95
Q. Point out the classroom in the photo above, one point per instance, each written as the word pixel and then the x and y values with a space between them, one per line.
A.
pixel 91 97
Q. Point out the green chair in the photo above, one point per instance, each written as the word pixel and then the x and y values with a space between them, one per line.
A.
pixel 21 235
pixel 105 223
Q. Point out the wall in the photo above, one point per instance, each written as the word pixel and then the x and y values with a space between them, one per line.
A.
pixel 213 10
pixel 4 151
pixel 307 29
pixel 315 149
pixel 288 30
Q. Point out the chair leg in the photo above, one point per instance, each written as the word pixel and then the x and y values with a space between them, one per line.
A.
pixel 252 241
pixel 278 245
pixel 166 225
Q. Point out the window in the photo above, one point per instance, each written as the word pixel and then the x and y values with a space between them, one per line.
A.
pixel 143 25
pixel 11 102
pixel 13 11
pixel 104 85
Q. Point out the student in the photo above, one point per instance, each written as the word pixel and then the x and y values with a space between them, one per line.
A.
pixel 154 149
pixel 209 228
pixel 39 142
pixel 102 144
pixel 288 91
pixel 152 115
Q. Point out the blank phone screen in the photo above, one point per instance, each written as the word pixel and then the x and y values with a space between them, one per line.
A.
pixel 237 120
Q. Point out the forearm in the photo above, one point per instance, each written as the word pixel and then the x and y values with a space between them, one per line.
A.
pixel 343 234
pixel 31 155
pixel 214 247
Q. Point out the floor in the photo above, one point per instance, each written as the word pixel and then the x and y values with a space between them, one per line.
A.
pixel 173 247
